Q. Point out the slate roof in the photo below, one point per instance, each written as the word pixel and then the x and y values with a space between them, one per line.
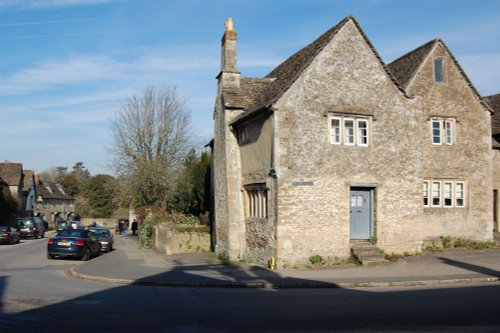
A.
pixel 256 95
pixel 11 173
pixel 406 67
pixel 265 92
pixel 250 95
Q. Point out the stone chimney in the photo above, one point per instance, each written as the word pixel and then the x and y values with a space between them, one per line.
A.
pixel 229 76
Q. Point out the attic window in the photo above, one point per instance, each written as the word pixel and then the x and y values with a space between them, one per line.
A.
pixel 439 70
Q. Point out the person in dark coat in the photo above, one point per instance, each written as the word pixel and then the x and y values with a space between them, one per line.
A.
pixel 134 227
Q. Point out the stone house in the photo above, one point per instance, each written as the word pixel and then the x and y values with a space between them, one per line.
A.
pixel 12 174
pixel 494 102
pixel 52 202
pixel 335 146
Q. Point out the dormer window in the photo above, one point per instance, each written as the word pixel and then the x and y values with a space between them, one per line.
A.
pixel 439 70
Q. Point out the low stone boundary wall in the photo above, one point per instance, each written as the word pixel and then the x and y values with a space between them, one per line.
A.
pixel 170 239
pixel 108 223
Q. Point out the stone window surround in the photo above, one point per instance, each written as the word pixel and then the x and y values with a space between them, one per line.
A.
pixel 454 197
pixel 340 131
pixel 256 196
pixel 446 130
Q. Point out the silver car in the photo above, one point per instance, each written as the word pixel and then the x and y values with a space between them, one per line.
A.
pixel 104 237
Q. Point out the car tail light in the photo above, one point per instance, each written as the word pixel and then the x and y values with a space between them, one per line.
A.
pixel 5 235
pixel 79 243
pixel 50 241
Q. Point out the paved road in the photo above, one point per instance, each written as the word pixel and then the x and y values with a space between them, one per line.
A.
pixel 37 296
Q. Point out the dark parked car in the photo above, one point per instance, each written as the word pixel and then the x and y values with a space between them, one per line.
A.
pixel 9 235
pixel 104 237
pixel 76 243
pixel 61 225
pixel 30 227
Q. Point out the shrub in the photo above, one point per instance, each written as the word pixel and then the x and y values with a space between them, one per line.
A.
pixel 316 259
pixel 146 231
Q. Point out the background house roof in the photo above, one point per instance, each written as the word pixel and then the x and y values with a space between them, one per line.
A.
pixel 51 190
pixel 11 173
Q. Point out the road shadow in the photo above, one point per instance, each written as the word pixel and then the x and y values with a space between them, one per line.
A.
pixel 144 306
pixel 470 267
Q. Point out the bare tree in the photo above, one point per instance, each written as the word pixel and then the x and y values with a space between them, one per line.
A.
pixel 151 136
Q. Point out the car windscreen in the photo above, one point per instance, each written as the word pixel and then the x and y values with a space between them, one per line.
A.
pixel 26 223
pixel 72 233
pixel 4 229
pixel 100 232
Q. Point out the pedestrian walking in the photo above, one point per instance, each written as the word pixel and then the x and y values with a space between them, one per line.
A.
pixel 134 227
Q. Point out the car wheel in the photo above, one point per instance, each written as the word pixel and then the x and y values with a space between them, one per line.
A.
pixel 86 254
pixel 50 256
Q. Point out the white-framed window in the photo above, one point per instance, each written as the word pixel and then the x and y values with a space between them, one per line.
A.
pixel 335 130
pixel 426 193
pixel 436 194
pixel 442 130
pixel 444 193
pixel 256 201
pixel 439 74
pixel 350 131
pixel 362 126
pixel 447 194
pixel 460 194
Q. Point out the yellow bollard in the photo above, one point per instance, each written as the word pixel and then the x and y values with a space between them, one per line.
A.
pixel 272 263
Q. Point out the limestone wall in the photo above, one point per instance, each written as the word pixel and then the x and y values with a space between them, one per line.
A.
pixel 171 240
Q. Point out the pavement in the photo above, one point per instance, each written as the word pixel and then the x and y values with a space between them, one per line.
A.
pixel 130 264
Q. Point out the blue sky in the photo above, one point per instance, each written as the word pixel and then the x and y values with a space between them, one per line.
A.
pixel 66 66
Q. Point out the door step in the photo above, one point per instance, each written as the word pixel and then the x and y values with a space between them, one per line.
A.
pixel 366 253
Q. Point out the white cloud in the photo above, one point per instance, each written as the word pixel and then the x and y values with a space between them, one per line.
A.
pixel 49 4
pixel 49 74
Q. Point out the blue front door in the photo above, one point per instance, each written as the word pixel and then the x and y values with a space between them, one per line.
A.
pixel 361 213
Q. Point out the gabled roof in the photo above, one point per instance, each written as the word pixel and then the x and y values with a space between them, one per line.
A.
pixel 283 76
pixel 11 173
pixel 406 67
